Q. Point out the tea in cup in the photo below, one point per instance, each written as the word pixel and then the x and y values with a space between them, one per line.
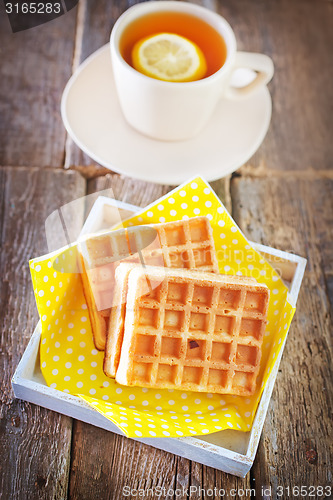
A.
pixel 173 98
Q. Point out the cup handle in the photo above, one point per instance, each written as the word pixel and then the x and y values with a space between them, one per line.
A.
pixel 260 63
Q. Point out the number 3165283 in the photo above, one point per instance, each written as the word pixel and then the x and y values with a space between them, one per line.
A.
pixel 33 8
pixel 304 491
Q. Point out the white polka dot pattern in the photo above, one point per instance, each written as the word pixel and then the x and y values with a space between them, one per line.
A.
pixel 70 362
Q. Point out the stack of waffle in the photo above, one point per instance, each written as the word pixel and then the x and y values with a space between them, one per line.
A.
pixel 183 244
pixel 164 315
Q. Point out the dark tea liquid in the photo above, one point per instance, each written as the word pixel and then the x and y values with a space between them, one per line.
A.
pixel 205 36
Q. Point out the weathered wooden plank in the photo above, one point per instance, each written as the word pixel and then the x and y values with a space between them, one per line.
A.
pixel 297 216
pixel 34 443
pixel 126 189
pixel 114 461
pixel 95 21
pixel 142 193
pixel 297 36
pixel 35 65
pixel 112 467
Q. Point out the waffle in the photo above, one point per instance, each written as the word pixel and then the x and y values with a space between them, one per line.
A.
pixel 99 320
pixel 117 319
pixel 187 243
pixel 193 331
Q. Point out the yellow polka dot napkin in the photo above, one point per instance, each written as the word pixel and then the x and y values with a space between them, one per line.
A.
pixel 70 362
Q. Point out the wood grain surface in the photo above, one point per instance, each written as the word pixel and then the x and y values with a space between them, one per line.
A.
pixel 296 36
pixel 282 197
pixel 297 216
pixel 35 444
pixel 95 21
pixel 35 66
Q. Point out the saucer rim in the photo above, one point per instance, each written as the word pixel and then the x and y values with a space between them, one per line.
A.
pixel 233 166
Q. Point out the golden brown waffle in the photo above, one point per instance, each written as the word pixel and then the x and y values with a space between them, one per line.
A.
pixel 193 331
pixel 98 319
pixel 117 319
pixel 187 243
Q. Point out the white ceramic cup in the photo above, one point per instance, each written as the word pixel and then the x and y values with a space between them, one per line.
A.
pixel 174 111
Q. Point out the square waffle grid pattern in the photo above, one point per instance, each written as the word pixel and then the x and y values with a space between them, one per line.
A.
pixel 200 337
pixel 182 244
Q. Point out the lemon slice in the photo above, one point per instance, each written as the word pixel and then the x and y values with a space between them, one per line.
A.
pixel 169 57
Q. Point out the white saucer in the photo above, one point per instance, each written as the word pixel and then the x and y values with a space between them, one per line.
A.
pixel 93 118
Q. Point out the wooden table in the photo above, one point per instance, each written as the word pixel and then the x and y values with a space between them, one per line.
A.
pixel 282 197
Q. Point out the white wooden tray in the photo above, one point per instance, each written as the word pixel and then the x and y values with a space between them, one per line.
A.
pixel 228 450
